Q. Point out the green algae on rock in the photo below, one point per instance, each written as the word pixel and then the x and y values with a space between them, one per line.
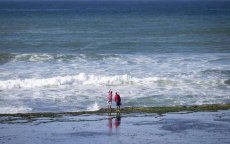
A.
pixel 158 110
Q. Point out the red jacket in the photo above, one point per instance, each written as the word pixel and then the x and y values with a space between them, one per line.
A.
pixel 117 98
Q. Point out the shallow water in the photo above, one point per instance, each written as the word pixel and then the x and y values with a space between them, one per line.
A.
pixel 182 127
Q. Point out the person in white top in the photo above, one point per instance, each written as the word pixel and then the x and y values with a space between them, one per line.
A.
pixel 109 100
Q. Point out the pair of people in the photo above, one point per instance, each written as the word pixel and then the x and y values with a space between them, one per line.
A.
pixel 117 99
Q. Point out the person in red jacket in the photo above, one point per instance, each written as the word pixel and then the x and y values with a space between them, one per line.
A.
pixel 117 99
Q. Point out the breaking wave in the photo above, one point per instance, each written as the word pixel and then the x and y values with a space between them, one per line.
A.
pixel 93 107
pixel 81 78
pixel 4 57
pixel 217 72
pixel 85 79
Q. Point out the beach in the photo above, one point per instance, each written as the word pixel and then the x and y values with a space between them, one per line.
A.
pixel 188 127
pixel 168 60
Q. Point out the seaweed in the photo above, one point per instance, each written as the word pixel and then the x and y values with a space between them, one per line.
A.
pixel 125 110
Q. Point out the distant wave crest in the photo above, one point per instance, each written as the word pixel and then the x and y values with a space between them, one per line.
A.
pixel 7 57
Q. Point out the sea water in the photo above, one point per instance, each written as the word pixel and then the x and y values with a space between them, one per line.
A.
pixel 66 56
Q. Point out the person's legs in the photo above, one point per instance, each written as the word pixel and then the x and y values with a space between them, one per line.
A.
pixel 109 108
pixel 118 107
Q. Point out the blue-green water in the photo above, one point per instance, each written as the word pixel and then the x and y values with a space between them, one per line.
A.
pixel 65 56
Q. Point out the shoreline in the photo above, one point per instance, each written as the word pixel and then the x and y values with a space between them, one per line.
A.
pixel 209 124
pixel 127 110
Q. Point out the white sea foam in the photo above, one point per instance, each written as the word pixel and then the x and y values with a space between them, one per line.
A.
pixel 42 84
pixel 93 107
pixel 34 57
pixel 10 110
pixel 81 78
pixel 90 79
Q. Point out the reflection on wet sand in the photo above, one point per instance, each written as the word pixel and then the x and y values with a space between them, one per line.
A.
pixel 110 124
pixel 117 122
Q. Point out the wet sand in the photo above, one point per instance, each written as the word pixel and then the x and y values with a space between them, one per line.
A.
pixel 177 128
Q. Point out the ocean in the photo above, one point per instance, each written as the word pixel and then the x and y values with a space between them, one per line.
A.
pixel 66 56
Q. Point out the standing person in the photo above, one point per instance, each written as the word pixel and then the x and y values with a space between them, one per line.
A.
pixel 117 99
pixel 109 100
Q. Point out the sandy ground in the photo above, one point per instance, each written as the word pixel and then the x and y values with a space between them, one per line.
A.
pixel 173 128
